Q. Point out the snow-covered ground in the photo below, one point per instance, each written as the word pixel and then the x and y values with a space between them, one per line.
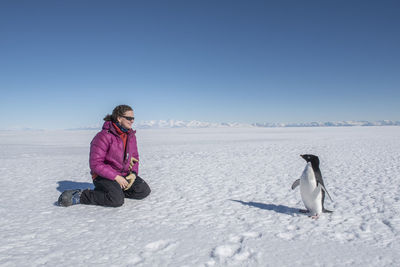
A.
pixel 220 197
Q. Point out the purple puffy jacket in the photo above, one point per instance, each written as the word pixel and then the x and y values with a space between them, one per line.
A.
pixel 107 157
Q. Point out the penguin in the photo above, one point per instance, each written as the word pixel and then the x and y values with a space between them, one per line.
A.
pixel 312 188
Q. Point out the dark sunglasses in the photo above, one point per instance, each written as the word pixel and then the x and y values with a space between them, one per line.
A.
pixel 129 118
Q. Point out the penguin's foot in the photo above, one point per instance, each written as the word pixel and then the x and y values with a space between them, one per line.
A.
pixel 315 217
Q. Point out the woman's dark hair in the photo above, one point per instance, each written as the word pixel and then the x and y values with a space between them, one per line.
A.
pixel 118 111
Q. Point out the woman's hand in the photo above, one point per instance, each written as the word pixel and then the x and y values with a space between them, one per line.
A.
pixel 132 163
pixel 121 181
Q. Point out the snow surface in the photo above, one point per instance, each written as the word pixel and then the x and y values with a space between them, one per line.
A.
pixel 220 197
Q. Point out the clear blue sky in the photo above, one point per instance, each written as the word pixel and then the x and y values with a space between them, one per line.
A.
pixel 66 64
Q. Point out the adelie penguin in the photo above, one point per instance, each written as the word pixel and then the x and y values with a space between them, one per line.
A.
pixel 312 188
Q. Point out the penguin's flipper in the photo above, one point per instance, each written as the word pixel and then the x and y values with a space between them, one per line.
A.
pixel 295 184
pixel 323 188
pixel 318 176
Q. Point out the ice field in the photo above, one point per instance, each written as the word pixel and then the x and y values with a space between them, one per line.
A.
pixel 220 197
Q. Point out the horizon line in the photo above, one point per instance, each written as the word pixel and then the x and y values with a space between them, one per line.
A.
pixel 206 124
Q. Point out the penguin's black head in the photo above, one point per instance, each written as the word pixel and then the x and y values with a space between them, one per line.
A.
pixel 311 158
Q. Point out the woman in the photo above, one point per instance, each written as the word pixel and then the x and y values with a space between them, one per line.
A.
pixel 114 164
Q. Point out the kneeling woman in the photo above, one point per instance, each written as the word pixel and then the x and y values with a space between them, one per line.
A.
pixel 114 164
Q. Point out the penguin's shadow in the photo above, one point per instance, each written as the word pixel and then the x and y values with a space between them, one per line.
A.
pixel 67 185
pixel 272 207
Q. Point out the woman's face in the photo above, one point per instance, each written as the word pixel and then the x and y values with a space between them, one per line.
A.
pixel 126 120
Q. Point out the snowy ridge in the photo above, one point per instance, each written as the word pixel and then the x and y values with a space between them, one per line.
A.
pixel 330 124
pixel 200 124
pixel 186 124
pixel 194 124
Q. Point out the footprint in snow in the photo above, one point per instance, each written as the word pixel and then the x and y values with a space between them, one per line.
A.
pixel 158 245
pixel 235 250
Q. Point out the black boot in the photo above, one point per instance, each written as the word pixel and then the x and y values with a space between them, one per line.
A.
pixel 70 197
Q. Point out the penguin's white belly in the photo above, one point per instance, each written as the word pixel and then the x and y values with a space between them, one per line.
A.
pixel 312 200
pixel 310 193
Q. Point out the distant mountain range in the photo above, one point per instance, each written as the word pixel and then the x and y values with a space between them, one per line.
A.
pixel 331 124
pixel 186 124
pixel 199 124
pixel 163 124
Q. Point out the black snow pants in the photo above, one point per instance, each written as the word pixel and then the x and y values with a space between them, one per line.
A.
pixel 110 194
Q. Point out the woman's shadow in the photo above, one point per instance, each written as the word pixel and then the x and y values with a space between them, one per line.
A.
pixel 272 207
pixel 67 185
